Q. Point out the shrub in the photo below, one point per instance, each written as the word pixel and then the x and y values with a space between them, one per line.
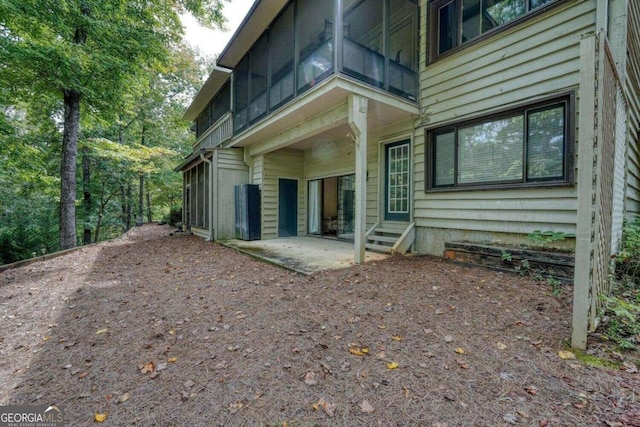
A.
pixel 174 217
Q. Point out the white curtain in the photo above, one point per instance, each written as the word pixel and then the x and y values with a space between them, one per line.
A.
pixel 315 198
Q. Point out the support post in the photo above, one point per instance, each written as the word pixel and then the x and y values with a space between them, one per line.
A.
pixel 358 107
pixel 582 279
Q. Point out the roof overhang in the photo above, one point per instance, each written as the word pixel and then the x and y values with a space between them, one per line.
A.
pixel 214 83
pixel 192 160
pixel 261 14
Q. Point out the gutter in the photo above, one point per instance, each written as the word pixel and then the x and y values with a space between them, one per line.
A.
pixel 204 159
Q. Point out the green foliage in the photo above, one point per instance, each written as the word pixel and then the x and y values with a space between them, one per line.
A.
pixel 506 257
pixel 174 217
pixel 621 314
pixel 628 259
pixel 622 319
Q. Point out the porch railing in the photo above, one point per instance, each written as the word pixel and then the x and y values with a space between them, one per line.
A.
pixel 216 134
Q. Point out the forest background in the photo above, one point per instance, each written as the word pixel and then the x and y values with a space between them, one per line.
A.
pixel 92 94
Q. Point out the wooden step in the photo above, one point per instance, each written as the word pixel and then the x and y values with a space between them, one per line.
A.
pixel 388 231
pixel 385 239
pixel 378 248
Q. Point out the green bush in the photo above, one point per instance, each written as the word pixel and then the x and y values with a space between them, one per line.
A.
pixel 174 217
pixel 621 316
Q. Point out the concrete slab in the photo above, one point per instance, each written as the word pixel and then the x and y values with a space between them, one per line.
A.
pixel 303 254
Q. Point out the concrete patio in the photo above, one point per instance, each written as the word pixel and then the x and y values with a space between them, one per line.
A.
pixel 303 254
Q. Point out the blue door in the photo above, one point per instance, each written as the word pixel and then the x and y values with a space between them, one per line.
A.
pixel 287 207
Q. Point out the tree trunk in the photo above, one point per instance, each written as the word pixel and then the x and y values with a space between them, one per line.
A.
pixel 86 182
pixel 123 207
pixel 141 201
pixel 149 216
pixel 98 225
pixel 129 195
pixel 68 169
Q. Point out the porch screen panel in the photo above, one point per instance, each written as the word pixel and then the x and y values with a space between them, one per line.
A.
pixel 403 58
pixel 315 36
pixel 193 194
pixel 363 55
pixel 281 55
pixel 258 64
pixel 201 203
pixel 241 94
pixel 491 151
pixel 205 194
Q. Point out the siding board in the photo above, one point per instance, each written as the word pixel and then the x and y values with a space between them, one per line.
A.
pixel 539 57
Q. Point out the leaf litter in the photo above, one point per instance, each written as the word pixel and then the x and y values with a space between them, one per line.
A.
pixel 143 293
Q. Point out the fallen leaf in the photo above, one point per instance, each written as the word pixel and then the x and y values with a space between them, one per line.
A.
pixel 396 338
pixel 459 350
pixel 189 384
pixel 382 327
pixel 100 418
pixel 235 407
pixel 392 365
pixel 310 378
pixel 172 331
pixel 366 407
pixel 501 346
pixel 82 375
pixel 101 331
pixel 532 390
pixel 359 351
pixel 123 398
pixel 148 367
pixel 328 408
pixel 448 338
pixel 565 355
pixel 462 364
pixel 172 360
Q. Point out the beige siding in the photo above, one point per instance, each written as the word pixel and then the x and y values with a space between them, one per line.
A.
pixel 229 171
pixel 529 61
pixel 329 159
pixel 633 97
pixel 286 163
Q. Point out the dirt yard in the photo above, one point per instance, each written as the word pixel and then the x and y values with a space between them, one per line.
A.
pixel 155 330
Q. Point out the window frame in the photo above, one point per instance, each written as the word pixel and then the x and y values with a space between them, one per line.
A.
pixel 433 31
pixel 568 99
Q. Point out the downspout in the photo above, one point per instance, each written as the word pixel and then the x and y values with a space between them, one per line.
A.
pixel 204 159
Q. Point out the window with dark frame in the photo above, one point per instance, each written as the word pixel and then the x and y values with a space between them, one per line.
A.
pixel 531 145
pixel 456 22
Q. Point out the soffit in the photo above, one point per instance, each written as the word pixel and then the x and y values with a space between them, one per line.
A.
pixel 214 83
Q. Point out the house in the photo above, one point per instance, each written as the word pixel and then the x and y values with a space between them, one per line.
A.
pixel 404 125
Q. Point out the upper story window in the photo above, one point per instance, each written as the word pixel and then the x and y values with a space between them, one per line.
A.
pixel 456 22
pixel 530 145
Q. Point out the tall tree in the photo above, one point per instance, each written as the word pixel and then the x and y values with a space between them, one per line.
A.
pixel 88 52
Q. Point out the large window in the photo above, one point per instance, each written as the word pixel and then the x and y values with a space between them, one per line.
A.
pixel 526 146
pixel 456 22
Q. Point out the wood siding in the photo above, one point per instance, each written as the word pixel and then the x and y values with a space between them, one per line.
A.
pixel 286 163
pixel 535 59
pixel 632 90
pixel 229 171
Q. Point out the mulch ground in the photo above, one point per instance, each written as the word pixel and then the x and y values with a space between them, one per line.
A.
pixel 154 330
